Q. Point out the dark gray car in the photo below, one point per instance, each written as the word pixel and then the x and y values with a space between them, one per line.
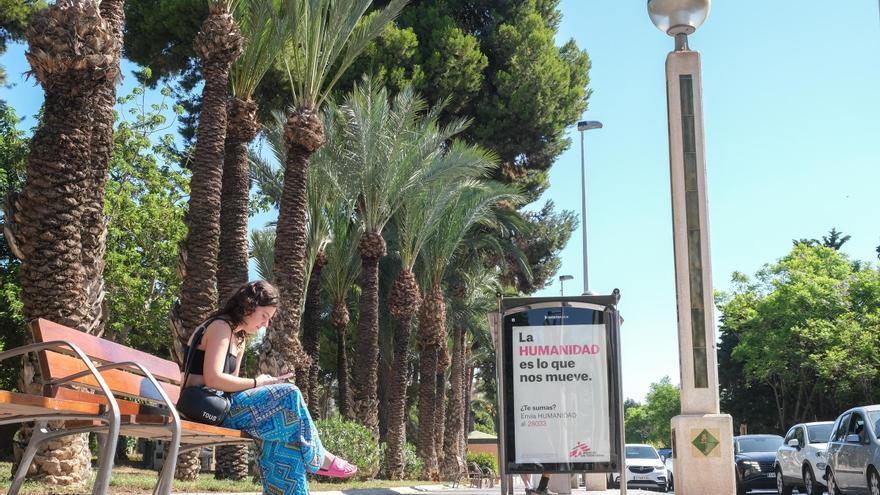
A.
pixel 854 453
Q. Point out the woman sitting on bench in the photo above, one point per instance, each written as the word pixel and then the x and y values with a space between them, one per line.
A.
pixel 271 411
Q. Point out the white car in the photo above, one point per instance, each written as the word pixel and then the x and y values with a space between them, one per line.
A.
pixel 801 461
pixel 644 468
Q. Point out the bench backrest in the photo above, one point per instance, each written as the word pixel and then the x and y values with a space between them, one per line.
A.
pixel 127 382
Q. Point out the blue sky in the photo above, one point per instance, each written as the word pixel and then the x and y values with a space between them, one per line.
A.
pixel 791 99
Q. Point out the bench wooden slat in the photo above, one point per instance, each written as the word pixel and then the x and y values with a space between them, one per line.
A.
pixel 125 406
pixel 123 382
pixel 145 426
pixel 14 404
pixel 105 350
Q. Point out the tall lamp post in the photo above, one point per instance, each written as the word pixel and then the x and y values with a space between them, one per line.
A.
pixel 583 126
pixel 702 438
pixel 592 481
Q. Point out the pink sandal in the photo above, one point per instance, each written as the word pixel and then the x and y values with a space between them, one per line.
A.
pixel 339 468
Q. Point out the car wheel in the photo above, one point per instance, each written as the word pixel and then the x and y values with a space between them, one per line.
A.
pixel 740 489
pixel 873 482
pixel 833 489
pixel 671 485
pixel 811 487
pixel 781 487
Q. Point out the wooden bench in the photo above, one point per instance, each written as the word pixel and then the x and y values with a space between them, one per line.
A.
pixel 126 392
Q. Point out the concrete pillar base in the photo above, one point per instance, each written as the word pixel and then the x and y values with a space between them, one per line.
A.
pixel 560 483
pixel 703 454
pixel 595 482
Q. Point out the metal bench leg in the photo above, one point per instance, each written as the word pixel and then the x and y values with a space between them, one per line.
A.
pixel 38 435
pixel 108 453
pixel 166 477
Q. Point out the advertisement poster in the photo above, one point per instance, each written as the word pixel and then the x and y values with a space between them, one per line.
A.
pixel 560 394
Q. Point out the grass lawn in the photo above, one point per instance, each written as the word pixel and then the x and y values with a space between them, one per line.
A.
pixel 130 481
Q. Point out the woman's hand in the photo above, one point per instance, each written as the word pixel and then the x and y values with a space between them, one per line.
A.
pixel 266 380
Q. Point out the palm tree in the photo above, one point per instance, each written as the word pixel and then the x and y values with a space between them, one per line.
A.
pixel 473 204
pixel 72 52
pixel 319 189
pixel 319 194
pixel 261 27
pixel 325 36
pixel 388 145
pixel 472 296
pixel 342 269
pixel 420 212
pixel 218 44
pixel 94 231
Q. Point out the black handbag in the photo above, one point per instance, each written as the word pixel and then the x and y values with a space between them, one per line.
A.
pixel 201 403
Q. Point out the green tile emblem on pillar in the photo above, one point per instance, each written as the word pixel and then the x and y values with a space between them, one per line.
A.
pixel 705 442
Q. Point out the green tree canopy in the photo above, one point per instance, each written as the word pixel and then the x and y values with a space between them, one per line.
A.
pixel 141 261
pixel 651 422
pixel 805 334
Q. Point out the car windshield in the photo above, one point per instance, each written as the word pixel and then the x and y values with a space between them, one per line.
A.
pixel 819 433
pixel 874 418
pixel 641 453
pixel 759 444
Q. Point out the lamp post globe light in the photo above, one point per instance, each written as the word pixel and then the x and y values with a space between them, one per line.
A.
pixel 703 438
pixel 678 16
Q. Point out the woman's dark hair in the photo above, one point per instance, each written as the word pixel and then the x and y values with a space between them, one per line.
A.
pixel 246 299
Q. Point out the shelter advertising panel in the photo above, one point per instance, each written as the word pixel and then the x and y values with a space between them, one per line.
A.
pixel 560 388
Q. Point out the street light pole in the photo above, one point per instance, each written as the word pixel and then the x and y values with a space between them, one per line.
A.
pixel 702 437
pixel 585 125
pixel 562 279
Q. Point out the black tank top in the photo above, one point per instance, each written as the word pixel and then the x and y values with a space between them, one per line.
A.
pixel 198 356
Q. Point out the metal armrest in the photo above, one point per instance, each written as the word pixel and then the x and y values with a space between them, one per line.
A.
pixel 55 344
pixel 42 434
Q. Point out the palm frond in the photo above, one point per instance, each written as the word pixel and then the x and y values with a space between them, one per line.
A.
pixel 343 262
pixel 268 177
pixel 324 39
pixel 474 204
pixel 264 30
pixel 263 252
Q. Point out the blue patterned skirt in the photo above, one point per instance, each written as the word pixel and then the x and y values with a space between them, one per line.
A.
pixel 287 441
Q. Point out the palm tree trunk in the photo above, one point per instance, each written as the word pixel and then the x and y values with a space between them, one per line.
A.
pixel 371 249
pixel 94 233
pixel 453 464
pixel 339 319
pixel 427 392
pixel 232 260
pixel 282 351
pixel 432 320
pixel 218 44
pixel 440 414
pixel 71 51
pixel 312 331
pixel 403 303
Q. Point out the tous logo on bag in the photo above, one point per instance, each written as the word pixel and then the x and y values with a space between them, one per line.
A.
pixel 209 417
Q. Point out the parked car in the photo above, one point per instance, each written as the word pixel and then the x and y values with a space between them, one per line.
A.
pixel 665 453
pixel 644 469
pixel 755 456
pixel 800 461
pixel 670 476
pixel 854 452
